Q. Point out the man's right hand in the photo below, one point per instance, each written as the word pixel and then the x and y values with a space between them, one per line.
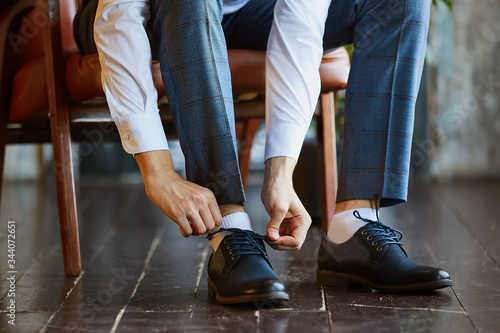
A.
pixel 193 207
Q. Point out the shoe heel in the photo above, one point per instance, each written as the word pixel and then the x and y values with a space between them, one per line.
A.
pixel 211 291
pixel 328 278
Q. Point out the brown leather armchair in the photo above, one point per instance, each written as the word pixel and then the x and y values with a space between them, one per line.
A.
pixel 47 89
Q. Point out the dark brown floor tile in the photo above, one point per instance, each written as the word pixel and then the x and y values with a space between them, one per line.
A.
pixel 357 295
pixel 76 322
pixel 443 299
pixel 214 316
pixel 26 322
pixel 362 318
pixel 37 227
pixel 170 281
pixel 293 321
pixel 345 318
pixel 434 321
pixel 153 322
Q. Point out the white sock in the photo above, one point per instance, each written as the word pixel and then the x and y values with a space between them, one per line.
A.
pixel 344 225
pixel 238 220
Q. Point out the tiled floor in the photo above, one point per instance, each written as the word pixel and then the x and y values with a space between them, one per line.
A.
pixel 140 275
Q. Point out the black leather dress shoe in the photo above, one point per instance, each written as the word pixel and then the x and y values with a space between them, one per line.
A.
pixel 239 271
pixel 374 257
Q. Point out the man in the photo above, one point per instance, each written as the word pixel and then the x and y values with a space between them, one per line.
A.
pixel 386 71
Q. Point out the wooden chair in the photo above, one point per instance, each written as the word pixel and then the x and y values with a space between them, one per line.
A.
pixel 50 110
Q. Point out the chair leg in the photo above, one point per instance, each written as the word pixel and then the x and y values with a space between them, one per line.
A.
pixel 328 158
pixel 66 199
pixel 61 138
pixel 250 129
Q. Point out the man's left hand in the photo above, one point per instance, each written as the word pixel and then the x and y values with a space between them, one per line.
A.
pixel 290 221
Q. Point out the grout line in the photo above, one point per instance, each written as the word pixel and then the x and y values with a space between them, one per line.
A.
pixel 323 299
pixel 44 328
pixel 257 314
pixel 414 309
pixel 165 311
pixel 462 305
pixel 152 249
pixel 25 311
pixel 296 310
pixel 65 329
pixel 325 306
pixel 201 265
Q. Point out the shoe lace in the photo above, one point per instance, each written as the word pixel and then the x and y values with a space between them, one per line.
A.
pixel 242 242
pixel 380 233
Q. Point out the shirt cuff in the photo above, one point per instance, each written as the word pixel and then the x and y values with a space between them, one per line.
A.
pixel 142 132
pixel 284 140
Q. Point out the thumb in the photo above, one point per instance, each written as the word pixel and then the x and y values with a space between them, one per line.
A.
pixel 273 227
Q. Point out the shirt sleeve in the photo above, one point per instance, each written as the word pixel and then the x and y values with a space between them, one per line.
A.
pixel 294 53
pixel 126 62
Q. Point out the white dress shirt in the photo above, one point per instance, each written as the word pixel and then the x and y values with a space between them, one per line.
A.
pixel 294 53
pixel 293 84
pixel 230 6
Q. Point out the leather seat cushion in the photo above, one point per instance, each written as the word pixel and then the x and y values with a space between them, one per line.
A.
pixel 83 78
pixel 83 73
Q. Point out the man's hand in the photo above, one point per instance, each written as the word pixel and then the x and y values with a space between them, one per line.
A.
pixel 290 221
pixel 193 207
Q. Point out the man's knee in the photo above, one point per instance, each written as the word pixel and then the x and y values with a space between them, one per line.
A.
pixel 387 11
pixel 193 9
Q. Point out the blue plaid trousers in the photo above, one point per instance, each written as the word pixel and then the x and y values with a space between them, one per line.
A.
pixel 390 38
pixel 195 71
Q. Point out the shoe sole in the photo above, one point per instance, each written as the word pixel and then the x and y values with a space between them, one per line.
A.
pixel 341 280
pixel 275 298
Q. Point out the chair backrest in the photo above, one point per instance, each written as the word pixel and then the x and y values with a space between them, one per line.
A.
pixel 21 29
pixel 10 20
pixel 28 40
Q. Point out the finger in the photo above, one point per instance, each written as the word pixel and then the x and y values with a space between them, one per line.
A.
pixel 285 243
pixel 215 211
pixel 207 218
pixel 299 232
pixel 215 229
pixel 273 227
pixel 197 224
pixel 184 226
pixel 293 234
